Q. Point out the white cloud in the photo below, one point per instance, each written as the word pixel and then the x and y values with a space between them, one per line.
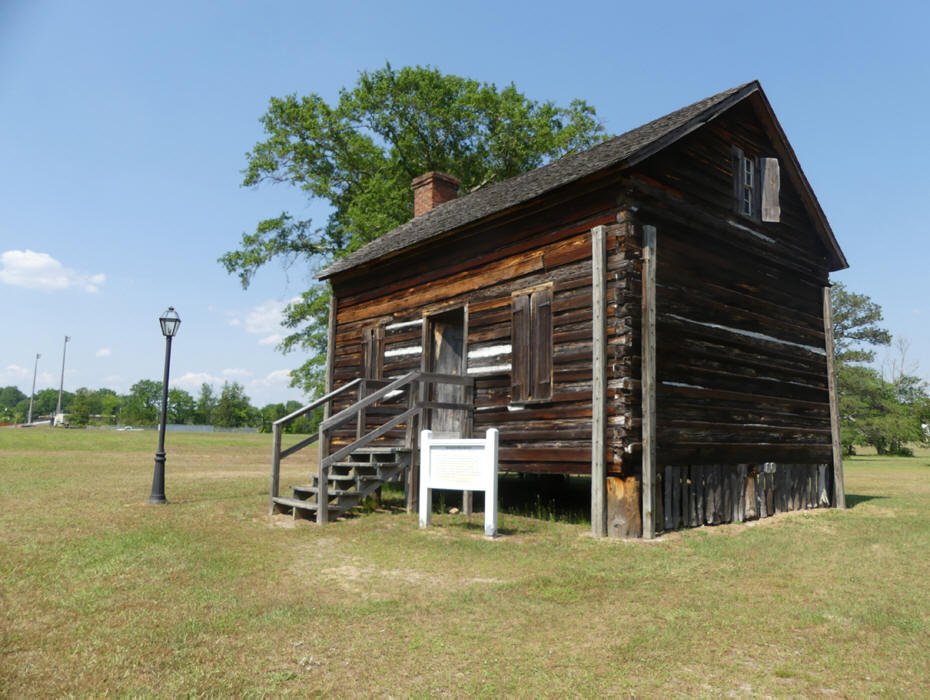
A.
pixel 237 373
pixel 31 270
pixel 264 320
pixel 279 378
pixel 16 371
pixel 103 352
pixel 192 380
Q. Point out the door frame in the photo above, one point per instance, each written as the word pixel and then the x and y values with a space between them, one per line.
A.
pixel 426 356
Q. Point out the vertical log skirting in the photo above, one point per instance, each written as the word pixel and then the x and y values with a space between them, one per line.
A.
pixel 715 494
pixel 839 486
pixel 649 379
pixel 599 381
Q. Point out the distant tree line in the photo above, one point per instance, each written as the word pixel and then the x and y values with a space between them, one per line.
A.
pixel 230 408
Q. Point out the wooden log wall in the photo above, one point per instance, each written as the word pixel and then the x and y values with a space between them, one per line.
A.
pixel 551 247
pixel 741 365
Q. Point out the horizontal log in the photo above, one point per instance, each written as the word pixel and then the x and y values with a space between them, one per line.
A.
pixel 664 390
pixel 551 454
pixel 721 453
pixel 574 468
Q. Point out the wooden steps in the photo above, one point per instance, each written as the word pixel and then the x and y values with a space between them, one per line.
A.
pixel 348 483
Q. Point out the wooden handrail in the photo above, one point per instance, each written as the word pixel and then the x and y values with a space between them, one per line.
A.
pixel 347 414
pixel 356 410
pixel 317 403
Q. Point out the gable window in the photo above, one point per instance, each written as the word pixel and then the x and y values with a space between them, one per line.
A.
pixel 756 185
pixel 531 373
pixel 747 186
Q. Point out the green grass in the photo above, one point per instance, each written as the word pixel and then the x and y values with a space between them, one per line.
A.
pixel 102 593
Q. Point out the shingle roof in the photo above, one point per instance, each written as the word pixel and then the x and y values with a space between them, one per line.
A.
pixel 625 150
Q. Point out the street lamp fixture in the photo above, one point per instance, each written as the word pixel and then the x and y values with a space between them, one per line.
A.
pixel 170 322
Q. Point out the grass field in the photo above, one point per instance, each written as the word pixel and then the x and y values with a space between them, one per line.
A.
pixel 102 593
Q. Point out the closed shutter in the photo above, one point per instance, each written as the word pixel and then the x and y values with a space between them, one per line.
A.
pixel 520 348
pixel 771 184
pixel 541 313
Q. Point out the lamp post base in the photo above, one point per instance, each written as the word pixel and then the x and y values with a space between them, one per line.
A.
pixel 158 480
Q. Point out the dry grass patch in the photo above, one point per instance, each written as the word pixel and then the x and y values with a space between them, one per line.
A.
pixel 101 593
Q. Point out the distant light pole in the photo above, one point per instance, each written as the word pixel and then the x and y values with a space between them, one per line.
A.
pixel 170 322
pixel 33 394
pixel 61 387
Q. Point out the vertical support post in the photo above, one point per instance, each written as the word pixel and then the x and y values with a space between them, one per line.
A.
pixel 490 487
pixel 322 493
pixel 469 398
pixel 649 379
pixel 411 441
pixel 322 482
pixel 599 381
pixel 275 466
pixel 426 494
pixel 361 423
pixel 330 352
pixel 839 484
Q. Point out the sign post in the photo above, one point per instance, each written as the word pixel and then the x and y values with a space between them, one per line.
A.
pixel 460 465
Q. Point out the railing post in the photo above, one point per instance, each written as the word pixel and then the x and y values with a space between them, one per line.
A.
pixel 362 422
pixel 468 429
pixel 275 466
pixel 470 411
pixel 412 441
pixel 322 487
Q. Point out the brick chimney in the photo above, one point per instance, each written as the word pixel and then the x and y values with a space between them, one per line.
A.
pixel 432 189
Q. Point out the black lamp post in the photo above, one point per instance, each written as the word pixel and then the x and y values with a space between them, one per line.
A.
pixel 170 322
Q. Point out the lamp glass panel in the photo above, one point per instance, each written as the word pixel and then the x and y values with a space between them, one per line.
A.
pixel 169 322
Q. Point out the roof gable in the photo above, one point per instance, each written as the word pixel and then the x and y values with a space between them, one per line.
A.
pixel 619 152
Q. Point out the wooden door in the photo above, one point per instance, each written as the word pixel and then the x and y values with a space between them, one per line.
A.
pixel 446 355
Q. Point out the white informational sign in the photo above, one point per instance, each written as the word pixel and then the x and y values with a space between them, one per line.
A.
pixel 460 465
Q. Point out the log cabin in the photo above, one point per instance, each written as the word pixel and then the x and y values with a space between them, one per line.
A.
pixel 652 312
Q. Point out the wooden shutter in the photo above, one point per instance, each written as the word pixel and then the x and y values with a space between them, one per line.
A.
pixel 520 348
pixel 771 183
pixel 541 313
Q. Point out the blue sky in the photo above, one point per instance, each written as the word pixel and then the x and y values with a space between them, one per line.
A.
pixel 124 128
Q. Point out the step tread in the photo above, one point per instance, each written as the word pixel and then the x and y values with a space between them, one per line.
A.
pixel 330 492
pixel 382 450
pixel 297 503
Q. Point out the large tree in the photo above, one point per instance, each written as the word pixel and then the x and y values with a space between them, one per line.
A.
pixel 884 410
pixel 233 409
pixel 359 156
pixel 855 325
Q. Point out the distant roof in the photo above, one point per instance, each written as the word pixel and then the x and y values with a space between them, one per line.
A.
pixel 626 149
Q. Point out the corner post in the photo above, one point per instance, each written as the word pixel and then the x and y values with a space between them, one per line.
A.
pixel 599 381
pixel 322 483
pixel 649 380
pixel 839 485
pixel 330 348
pixel 275 466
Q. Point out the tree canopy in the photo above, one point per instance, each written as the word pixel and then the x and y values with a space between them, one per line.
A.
pixel 886 410
pixel 855 325
pixel 360 154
